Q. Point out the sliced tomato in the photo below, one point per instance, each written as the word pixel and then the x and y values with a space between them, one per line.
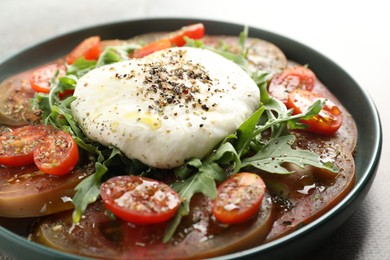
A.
pixel 28 192
pixel 239 198
pixel 328 121
pixel 307 193
pixel 298 77
pixel 195 31
pixel 199 235
pixel 89 49
pixel 57 154
pixel 17 145
pixel 41 79
pixel 139 200
pixel 152 47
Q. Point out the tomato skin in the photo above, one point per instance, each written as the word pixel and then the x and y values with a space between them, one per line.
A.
pixel 298 77
pixel 239 198
pixel 89 49
pixel 152 47
pixel 195 31
pixel 18 144
pixel 41 78
pixel 57 154
pixel 327 122
pixel 139 200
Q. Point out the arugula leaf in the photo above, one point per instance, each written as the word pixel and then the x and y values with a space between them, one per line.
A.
pixel 239 59
pixel 203 181
pixel 88 190
pixel 242 40
pixel 278 151
pixel 80 67
pixel 111 54
pixel 279 116
pixel 261 80
pixel 245 131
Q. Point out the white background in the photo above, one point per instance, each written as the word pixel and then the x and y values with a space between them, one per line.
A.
pixel 355 34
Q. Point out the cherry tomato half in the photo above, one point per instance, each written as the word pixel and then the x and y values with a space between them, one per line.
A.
pixel 89 49
pixel 298 77
pixel 18 144
pixel 195 31
pixel 239 198
pixel 139 200
pixel 41 79
pixel 328 121
pixel 57 154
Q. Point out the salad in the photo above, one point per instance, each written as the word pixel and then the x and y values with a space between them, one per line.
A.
pixel 171 145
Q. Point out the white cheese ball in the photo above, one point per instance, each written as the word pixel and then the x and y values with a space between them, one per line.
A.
pixel 167 107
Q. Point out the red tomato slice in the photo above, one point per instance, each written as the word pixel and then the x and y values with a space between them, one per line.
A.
pixel 152 47
pixel 139 200
pixel 328 121
pixel 239 198
pixel 57 154
pixel 195 31
pixel 89 49
pixel 290 79
pixel 18 144
pixel 41 79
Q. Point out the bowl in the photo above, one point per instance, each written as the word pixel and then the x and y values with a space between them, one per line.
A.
pixel 295 244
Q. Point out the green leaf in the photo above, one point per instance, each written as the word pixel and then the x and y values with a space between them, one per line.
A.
pixel 278 151
pixel 239 59
pixel 261 80
pixel 225 154
pixel 193 43
pixel 242 40
pixel 80 67
pixel 236 58
pixel 88 190
pixel 245 131
pixel 201 182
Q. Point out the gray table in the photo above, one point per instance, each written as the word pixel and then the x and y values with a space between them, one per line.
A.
pixel 352 33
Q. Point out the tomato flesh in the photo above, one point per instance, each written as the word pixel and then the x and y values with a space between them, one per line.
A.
pixel 298 77
pixel 152 47
pixel 239 198
pixel 328 121
pixel 139 200
pixel 57 154
pixel 199 235
pixel 41 79
pixel 17 145
pixel 27 192
pixel 89 49
pixel 195 31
